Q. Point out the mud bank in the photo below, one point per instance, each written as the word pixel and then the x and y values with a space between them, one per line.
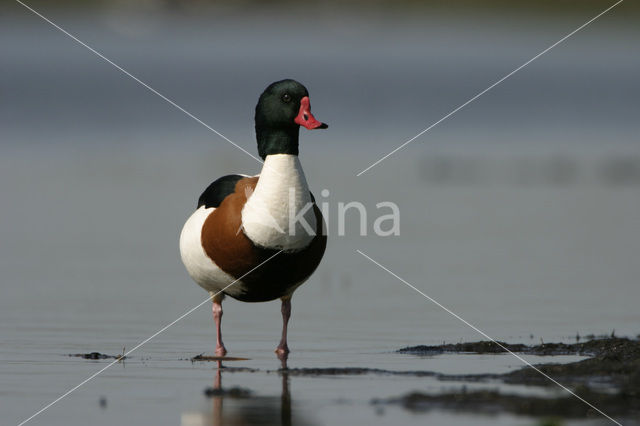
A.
pixel 495 402
pixel 609 380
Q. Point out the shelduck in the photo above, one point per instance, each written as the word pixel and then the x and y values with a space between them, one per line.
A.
pixel 258 238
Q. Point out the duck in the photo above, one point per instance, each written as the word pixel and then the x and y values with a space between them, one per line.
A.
pixel 258 238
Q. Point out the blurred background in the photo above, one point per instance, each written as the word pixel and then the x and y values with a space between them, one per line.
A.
pixel 521 212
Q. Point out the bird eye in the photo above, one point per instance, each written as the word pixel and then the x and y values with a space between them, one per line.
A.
pixel 286 98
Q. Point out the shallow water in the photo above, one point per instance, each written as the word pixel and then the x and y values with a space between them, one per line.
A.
pixel 510 216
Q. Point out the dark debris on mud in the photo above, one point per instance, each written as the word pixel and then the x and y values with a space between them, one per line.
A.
pixel 98 355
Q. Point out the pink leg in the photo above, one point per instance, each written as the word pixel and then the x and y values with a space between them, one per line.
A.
pixel 282 348
pixel 217 317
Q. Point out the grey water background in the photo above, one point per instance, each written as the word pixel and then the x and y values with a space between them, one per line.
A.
pixel 521 213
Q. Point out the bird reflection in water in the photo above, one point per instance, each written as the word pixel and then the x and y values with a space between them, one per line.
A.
pixel 240 406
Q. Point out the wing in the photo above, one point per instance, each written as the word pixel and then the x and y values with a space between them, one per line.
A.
pixel 218 191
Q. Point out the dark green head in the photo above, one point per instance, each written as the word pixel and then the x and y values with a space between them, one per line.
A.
pixel 282 108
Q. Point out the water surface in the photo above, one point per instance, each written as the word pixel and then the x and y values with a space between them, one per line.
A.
pixel 521 213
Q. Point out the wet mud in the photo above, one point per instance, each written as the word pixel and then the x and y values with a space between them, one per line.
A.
pixel 495 402
pixel 609 380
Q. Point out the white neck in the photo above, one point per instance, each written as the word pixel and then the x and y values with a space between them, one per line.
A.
pixel 279 213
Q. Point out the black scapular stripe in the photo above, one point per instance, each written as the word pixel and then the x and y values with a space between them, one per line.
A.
pixel 218 191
